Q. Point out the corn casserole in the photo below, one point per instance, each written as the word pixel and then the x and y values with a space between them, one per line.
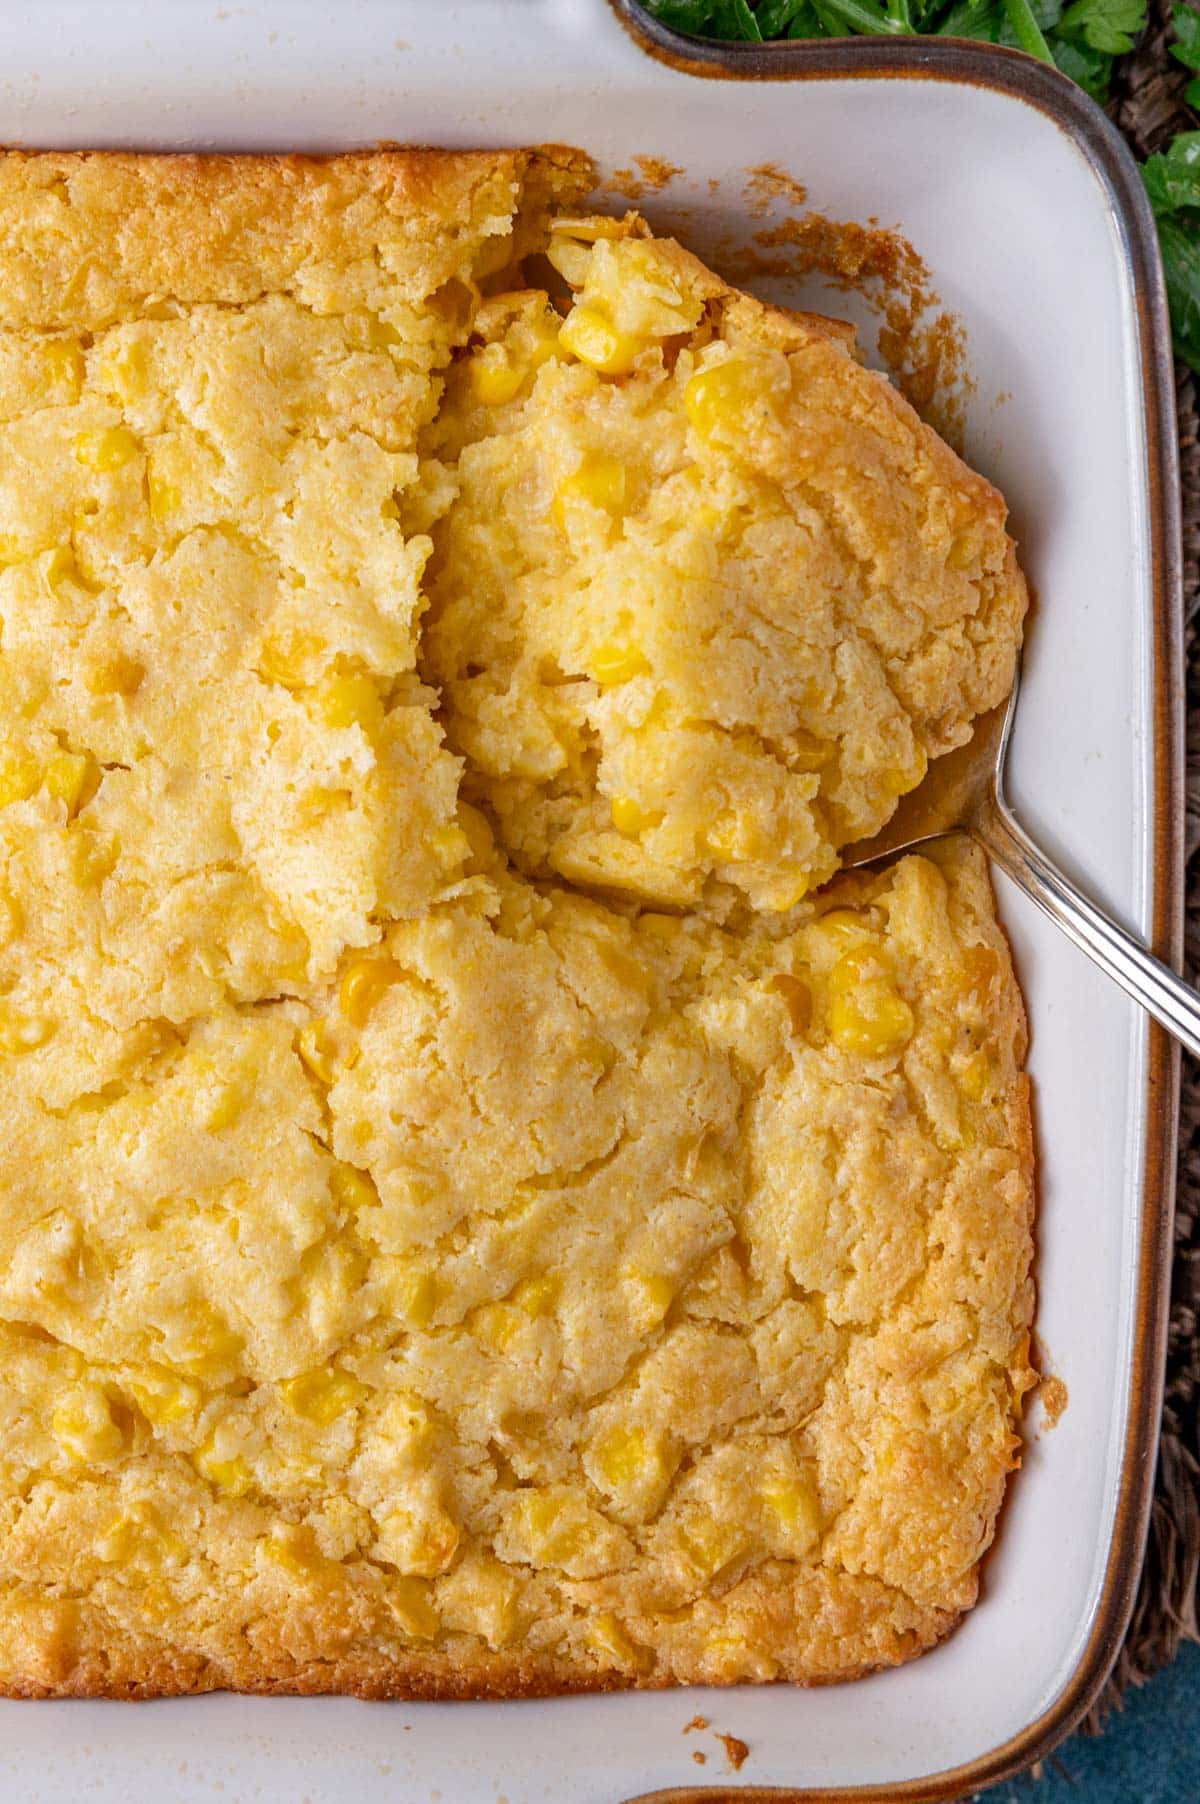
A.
pixel 485 1208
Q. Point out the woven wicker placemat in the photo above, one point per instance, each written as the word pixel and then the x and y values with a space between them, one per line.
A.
pixel 1149 108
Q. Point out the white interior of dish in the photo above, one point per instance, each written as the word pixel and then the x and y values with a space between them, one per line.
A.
pixel 1015 225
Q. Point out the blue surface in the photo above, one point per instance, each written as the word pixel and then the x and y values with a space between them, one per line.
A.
pixel 1149 1752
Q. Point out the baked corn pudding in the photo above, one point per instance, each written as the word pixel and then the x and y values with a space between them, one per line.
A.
pixel 484 1208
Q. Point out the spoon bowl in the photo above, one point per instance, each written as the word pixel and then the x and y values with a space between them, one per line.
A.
pixel 953 795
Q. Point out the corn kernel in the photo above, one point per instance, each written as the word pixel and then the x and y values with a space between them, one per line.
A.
pixel 976 1077
pixel 629 972
pixel 586 227
pixel 352 699
pixel 137 1538
pixel 719 400
pixel 294 1549
pixel 541 341
pixel 321 1396
pixel 417 1295
pixel 981 966
pixel 352 1190
pixel 409 1600
pixel 420 1543
pixel 23 1033
pixel 867 1014
pixel 123 371
pixel 317 1051
pixel 64 367
pixel 599 482
pixel 12 918
pixel 653 1294
pixel 478 834
pixel 711 1546
pixel 162 1396
pixel 165 497
pixel 736 1659
pixel 622 1456
pixel 380 335
pixel 629 819
pixel 366 981
pixel 608 1638
pixel 844 926
pixel 451 845
pixel 407 1424
pixel 537 1296
pixel 117 675
pixel 793 1508
pixel 553 1523
pixel 808 753
pixel 964 550
pixel 734 837
pixel 318 803
pixel 20 775
pixel 611 664
pixel 496 1325
pixel 590 335
pixel 230 1476
pixel 96 857
pixel 229 1102
pixel 211 1346
pixel 287 661
pixel 59 566
pixel 797 998
pixel 481 1599
pixel 106 449
pixel 494 378
pixel 84 1427
pixel 73 778
pixel 785 895
pixel 899 779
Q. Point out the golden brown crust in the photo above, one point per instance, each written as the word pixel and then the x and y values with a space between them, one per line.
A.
pixel 417 1281
pixel 91 237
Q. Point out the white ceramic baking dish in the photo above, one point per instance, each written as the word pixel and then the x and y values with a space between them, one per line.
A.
pixel 1021 200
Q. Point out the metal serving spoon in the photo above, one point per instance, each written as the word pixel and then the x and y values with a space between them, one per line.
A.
pixel 964 791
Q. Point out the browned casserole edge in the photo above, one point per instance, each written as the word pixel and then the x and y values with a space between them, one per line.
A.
pixel 1013 74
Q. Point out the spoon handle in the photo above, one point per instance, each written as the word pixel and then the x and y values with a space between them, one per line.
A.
pixel 1173 1003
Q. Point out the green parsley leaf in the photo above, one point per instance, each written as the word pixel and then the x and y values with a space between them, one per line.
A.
pixel 1180 242
pixel 982 20
pixel 1026 30
pixel 773 17
pixel 1186 48
pixel 1092 69
pixel 988 21
pixel 1108 25
pixel 865 16
pixel 747 24
pixel 807 23
pixel 708 18
pixel 692 17
pixel 1172 177
pixel 1083 37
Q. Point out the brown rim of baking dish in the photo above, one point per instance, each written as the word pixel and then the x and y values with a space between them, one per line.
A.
pixel 1010 72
